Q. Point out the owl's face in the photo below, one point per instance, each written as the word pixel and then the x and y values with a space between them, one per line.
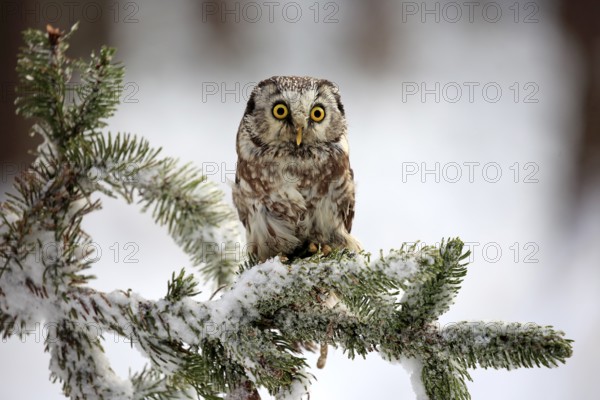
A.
pixel 295 112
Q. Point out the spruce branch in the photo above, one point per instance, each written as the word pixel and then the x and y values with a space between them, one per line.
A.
pixel 426 300
pixel 150 384
pixel 248 331
pixel 70 112
pixel 507 345
pixel 193 210
pixel 247 337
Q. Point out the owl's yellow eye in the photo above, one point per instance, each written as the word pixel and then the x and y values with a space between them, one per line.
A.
pixel 317 113
pixel 280 111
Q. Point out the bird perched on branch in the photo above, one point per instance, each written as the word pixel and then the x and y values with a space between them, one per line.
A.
pixel 294 188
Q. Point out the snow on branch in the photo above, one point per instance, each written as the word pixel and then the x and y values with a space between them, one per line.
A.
pixel 247 338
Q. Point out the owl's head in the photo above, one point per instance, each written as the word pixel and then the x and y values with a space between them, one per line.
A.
pixel 292 111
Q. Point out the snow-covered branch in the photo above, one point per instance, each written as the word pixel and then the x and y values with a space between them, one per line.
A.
pixel 250 336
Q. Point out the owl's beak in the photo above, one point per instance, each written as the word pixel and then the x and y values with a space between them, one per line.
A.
pixel 299 136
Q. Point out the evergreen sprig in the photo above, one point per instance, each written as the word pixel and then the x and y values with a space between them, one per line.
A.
pixel 248 336
pixel 181 286
pixel 150 384
pixel 193 210
pixel 429 298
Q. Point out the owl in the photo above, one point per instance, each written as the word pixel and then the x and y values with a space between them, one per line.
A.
pixel 294 188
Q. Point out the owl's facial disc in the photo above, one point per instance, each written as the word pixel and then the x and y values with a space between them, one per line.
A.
pixel 295 112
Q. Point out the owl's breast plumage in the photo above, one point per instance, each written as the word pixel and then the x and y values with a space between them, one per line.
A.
pixel 297 200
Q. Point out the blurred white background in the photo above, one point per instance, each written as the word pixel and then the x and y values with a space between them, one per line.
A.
pixel 492 105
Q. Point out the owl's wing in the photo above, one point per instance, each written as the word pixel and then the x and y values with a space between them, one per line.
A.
pixel 238 201
pixel 346 202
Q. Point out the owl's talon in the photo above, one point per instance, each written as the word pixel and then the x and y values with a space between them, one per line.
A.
pixel 326 250
pixel 312 248
pixel 283 258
